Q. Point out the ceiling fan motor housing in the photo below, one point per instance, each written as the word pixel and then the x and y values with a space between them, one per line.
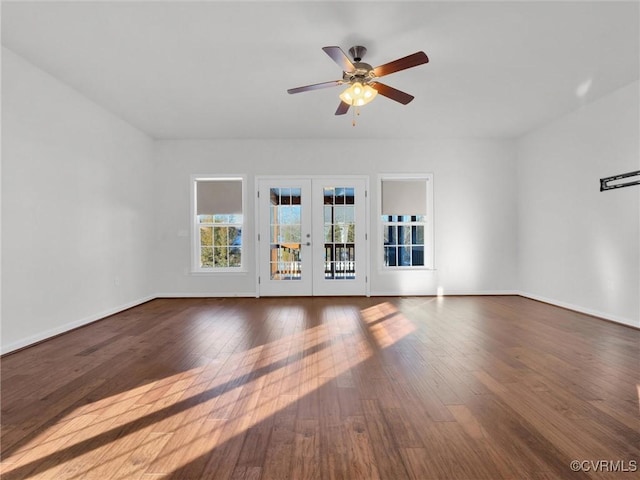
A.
pixel 363 72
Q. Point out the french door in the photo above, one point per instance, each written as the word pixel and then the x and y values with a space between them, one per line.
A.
pixel 312 236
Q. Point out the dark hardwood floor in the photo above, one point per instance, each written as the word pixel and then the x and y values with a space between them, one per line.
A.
pixel 306 388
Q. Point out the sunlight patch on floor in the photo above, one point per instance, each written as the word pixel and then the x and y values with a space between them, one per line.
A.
pixel 387 324
pixel 189 414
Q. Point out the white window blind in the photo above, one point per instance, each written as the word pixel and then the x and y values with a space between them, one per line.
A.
pixel 219 197
pixel 404 197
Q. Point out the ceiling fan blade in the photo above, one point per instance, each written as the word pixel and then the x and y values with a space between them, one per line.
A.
pixel 315 86
pixel 392 93
pixel 403 63
pixel 340 58
pixel 342 108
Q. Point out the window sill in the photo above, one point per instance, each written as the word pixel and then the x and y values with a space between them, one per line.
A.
pixel 207 273
pixel 406 269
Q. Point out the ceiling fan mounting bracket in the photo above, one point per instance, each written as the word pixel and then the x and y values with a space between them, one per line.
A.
pixel 357 52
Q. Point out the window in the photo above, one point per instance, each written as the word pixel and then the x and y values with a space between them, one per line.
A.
pixel 218 224
pixel 406 223
pixel 403 237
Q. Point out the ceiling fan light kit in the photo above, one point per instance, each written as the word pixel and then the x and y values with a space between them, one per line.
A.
pixel 362 78
pixel 357 94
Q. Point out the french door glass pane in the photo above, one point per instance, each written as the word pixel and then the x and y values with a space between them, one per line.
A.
pixel 339 233
pixel 286 234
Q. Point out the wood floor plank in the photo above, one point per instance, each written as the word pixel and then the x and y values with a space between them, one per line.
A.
pixel 305 459
pixel 277 463
pixel 144 453
pixel 418 464
pixel 384 444
pixel 324 388
pixel 333 452
pixel 361 459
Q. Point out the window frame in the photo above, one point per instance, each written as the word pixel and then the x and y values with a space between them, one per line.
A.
pixel 195 227
pixel 428 224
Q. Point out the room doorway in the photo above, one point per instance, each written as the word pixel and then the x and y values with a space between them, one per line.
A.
pixel 312 236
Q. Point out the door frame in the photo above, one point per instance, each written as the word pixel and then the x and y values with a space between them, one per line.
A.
pixel 367 220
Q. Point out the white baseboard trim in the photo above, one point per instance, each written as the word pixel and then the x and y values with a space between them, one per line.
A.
pixel 445 294
pixel 579 309
pixel 52 332
pixel 206 295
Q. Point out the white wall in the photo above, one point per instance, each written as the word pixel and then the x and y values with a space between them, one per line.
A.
pixel 475 206
pixel 77 208
pixel 580 247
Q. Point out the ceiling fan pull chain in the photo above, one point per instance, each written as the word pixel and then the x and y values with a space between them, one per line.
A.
pixel 353 110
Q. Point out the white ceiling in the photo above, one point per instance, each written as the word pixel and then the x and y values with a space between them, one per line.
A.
pixel 178 69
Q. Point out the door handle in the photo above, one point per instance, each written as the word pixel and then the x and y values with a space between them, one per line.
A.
pixel 308 244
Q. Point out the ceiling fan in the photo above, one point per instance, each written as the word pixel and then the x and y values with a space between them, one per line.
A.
pixel 362 78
